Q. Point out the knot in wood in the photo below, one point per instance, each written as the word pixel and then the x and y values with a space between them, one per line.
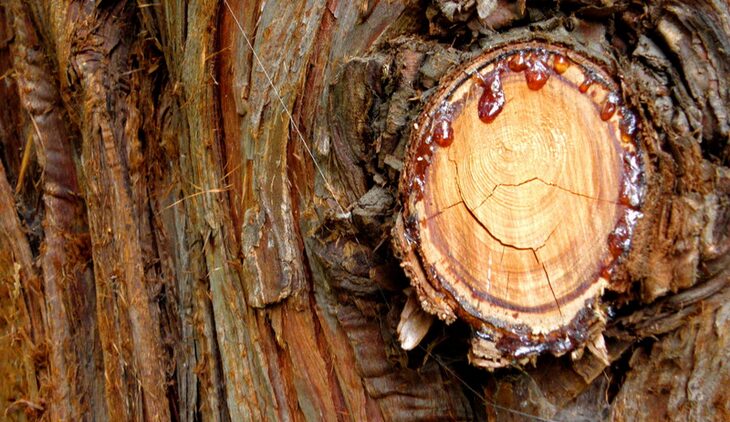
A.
pixel 521 190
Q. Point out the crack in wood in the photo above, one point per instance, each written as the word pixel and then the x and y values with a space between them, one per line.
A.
pixel 537 179
pixel 461 195
pixel 550 285
pixel 442 210
pixel 504 245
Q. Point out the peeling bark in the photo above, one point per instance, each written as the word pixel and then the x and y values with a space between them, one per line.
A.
pixel 67 280
pixel 190 240
pixel 21 316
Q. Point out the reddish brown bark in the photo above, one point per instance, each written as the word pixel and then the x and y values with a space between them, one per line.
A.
pixel 174 252
pixel 67 280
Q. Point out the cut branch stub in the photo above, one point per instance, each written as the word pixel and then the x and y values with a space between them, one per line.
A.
pixel 521 189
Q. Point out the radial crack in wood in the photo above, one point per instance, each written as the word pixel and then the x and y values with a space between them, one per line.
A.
pixel 521 188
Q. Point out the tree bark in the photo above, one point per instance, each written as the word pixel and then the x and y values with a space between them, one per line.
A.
pixel 196 205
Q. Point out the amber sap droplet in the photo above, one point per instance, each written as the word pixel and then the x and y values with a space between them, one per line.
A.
pixel 632 192
pixel 537 73
pixel 630 195
pixel 609 106
pixel 607 272
pixel 627 125
pixel 518 62
pixel 492 100
pixel 560 63
pixel 443 133
pixel 587 82
pixel 618 241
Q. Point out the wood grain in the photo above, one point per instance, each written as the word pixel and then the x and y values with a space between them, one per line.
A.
pixel 515 216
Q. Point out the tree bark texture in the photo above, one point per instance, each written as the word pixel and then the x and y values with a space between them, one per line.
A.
pixel 196 203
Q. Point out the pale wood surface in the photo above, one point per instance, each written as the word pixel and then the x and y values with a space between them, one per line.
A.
pixel 521 208
pixel 516 210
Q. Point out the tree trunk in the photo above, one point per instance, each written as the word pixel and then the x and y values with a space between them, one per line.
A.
pixel 197 200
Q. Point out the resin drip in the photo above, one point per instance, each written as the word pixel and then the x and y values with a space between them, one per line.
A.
pixel 609 106
pixel 443 133
pixel 587 82
pixel 560 64
pixel 492 99
pixel 627 125
pixel 537 72
pixel 518 63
